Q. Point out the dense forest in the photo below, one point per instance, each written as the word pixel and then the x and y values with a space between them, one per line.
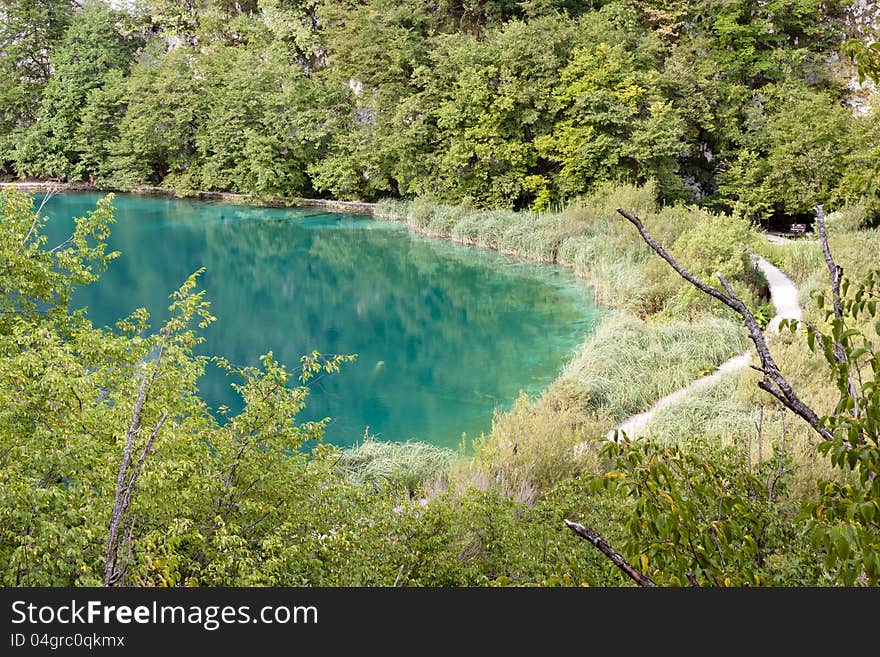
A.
pixel 520 126
pixel 737 104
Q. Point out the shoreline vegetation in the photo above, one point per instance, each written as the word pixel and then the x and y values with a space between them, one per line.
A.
pixel 621 369
pixel 515 126
pixel 657 338
pixel 532 466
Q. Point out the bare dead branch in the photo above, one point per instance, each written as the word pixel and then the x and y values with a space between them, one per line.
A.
pixel 123 501
pixel 53 189
pixel 835 271
pixel 780 472
pixel 399 573
pixel 117 513
pixel 761 441
pixel 605 548
pixel 55 248
pixel 759 425
pixel 774 383
pixel 127 548
pixel 124 489
pixel 659 250
pixel 146 451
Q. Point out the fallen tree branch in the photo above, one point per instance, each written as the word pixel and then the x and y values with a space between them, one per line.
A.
pixel 605 548
pixel 774 382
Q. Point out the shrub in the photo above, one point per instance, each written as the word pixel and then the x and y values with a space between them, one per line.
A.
pixel 536 443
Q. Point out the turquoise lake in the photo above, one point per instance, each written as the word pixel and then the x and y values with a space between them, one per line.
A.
pixel 444 334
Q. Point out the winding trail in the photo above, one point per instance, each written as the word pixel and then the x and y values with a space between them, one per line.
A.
pixel 783 295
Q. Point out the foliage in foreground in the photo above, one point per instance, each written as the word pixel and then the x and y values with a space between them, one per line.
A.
pixel 236 501
pixel 219 500
pixel 711 521
pixel 846 515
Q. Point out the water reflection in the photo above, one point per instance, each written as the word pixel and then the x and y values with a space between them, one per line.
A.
pixel 443 334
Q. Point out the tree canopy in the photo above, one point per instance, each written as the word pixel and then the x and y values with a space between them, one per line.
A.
pixel 500 103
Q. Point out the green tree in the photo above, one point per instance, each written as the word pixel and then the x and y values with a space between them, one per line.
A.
pixel 374 49
pixel 794 156
pixel 239 83
pixel 297 127
pixel 491 102
pixel 91 48
pixel 28 31
pixel 176 19
pixel 98 128
pixel 866 57
pixel 615 123
pixel 760 42
pixel 296 23
pixel 164 105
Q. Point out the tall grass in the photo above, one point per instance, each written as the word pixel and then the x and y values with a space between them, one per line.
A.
pixel 714 411
pixel 797 258
pixel 534 444
pixel 629 363
pixel 407 466
pixel 392 208
pixel 588 236
pixel 857 252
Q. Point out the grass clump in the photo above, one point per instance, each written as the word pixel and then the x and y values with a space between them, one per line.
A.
pixel 407 466
pixel 797 258
pixel 393 209
pixel 713 411
pixel 629 363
